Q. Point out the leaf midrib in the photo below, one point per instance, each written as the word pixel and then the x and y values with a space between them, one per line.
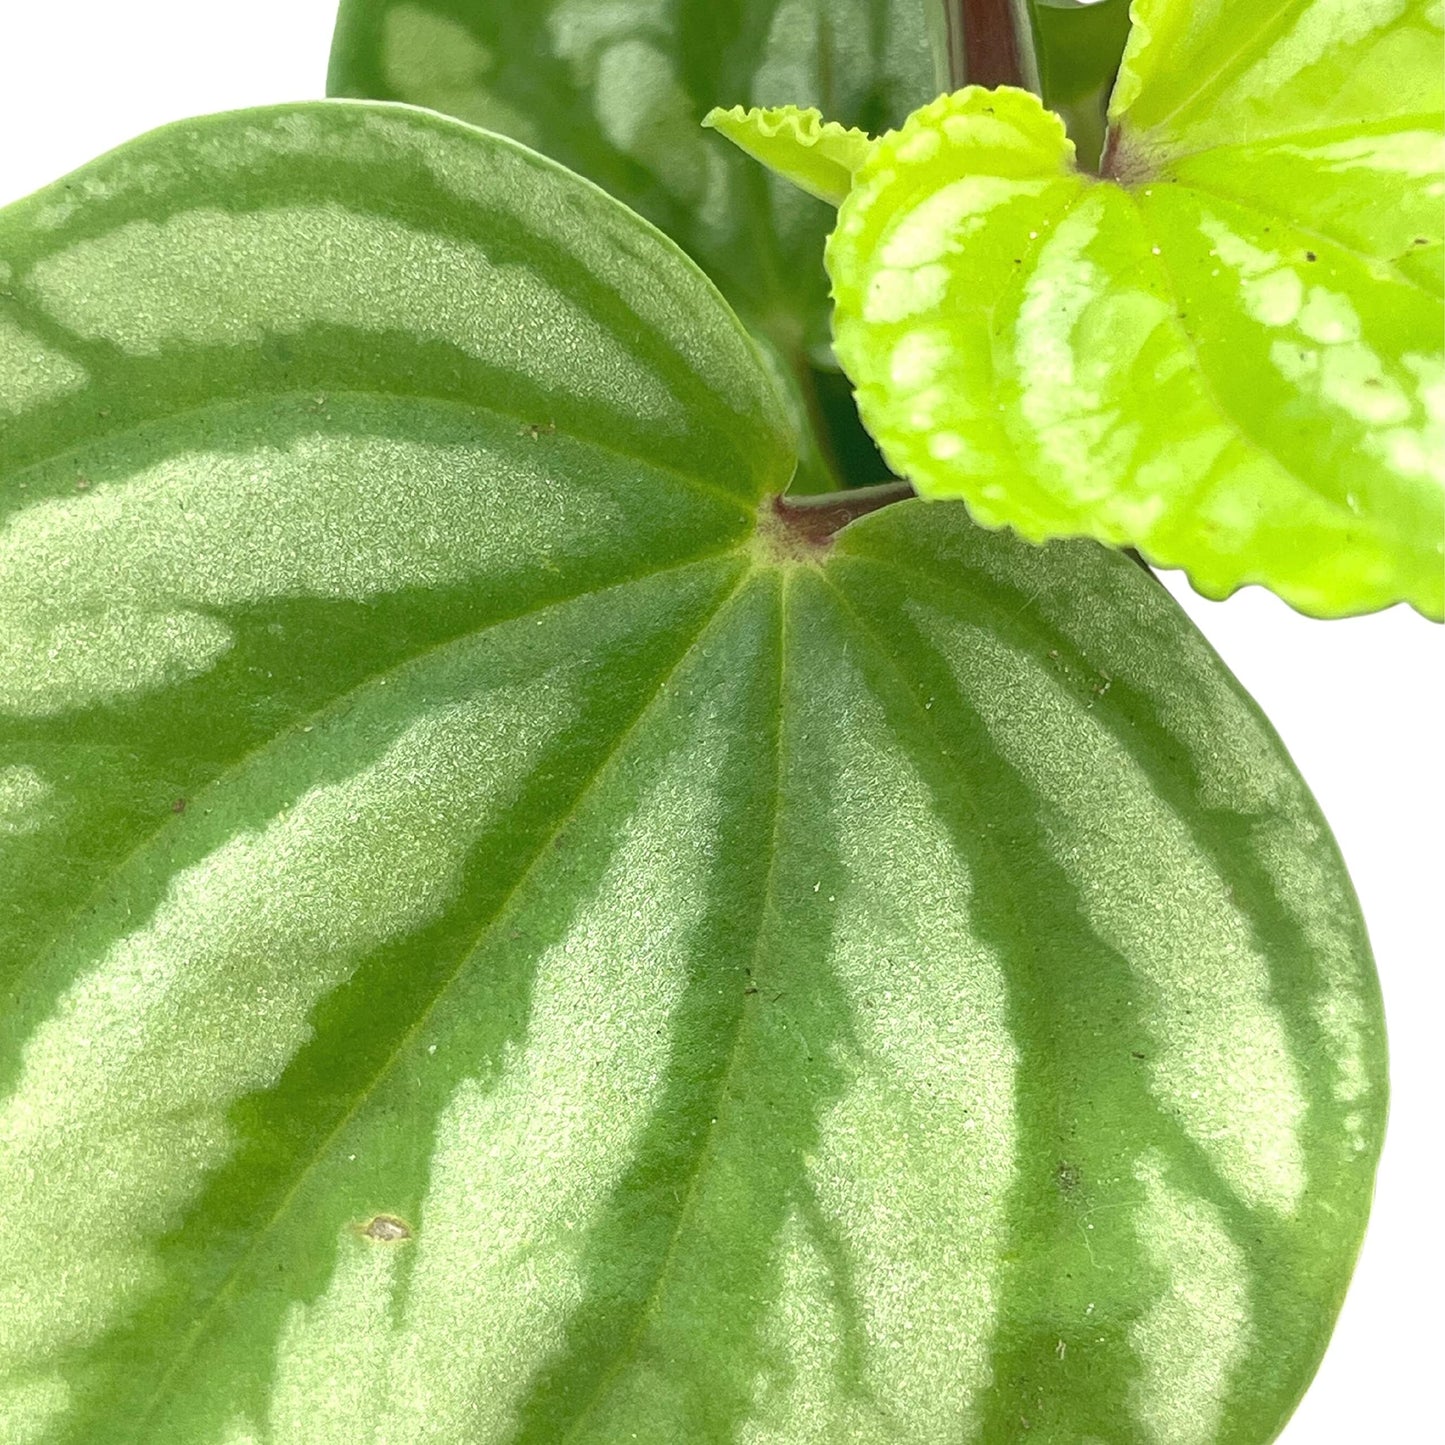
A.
pixel 741 503
pixel 1017 283
pixel 1391 125
pixel 628 1350
pixel 304 722
pixel 843 606
pixel 1241 1219
pixel 1230 419
pixel 1222 71
pixel 1215 191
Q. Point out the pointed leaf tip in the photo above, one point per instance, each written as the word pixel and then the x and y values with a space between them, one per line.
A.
pixel 817 155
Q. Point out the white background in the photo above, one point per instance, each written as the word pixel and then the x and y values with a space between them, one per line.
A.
pixel 1358 703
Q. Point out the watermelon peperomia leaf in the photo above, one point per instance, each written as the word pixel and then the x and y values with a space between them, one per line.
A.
pixel 513 932
pixel 616 91
pixel 1226 352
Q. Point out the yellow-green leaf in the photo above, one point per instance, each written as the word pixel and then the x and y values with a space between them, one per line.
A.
pixel 818 156
pixel 1227 351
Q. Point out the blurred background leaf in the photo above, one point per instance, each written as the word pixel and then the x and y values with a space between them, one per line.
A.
pixel 1079 44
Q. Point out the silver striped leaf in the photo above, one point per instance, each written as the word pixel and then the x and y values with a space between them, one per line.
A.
pixel 617 91
pixel 509 933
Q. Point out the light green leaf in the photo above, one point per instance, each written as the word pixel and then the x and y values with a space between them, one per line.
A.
pixel 512 933
pixel 817 156
pixel 1212 73
pixel 618 91
pixel 1227 353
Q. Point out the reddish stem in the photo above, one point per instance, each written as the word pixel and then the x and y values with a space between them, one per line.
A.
pixel 810 522
pixel 990 42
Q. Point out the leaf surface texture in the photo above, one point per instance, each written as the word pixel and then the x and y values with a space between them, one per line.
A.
pixel 509 935
pixel 618 92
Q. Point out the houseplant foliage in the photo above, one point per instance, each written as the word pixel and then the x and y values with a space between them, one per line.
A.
pixel 1224 350
pixel 616 92
pixel 517 928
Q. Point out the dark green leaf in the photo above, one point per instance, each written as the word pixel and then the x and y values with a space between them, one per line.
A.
pixel 618 91
pixel 1079 45
pixel 510 934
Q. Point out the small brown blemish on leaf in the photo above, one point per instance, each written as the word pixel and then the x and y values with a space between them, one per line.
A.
pixel 386 1229
pixel 1310 256
pixel 179 806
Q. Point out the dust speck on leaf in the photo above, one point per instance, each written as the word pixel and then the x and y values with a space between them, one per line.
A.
pixel 386 1229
